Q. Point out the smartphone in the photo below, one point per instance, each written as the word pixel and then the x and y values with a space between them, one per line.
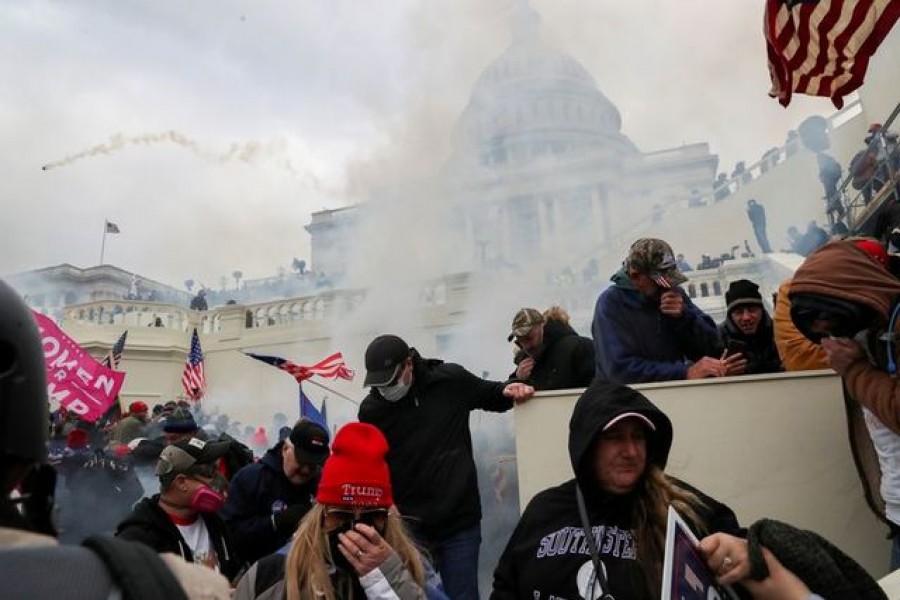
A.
pixel 736 346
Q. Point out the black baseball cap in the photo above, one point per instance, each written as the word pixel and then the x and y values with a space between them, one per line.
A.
pixel 384 356
pixel 310 442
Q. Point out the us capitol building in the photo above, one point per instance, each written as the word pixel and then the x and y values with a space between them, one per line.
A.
pixel 536 205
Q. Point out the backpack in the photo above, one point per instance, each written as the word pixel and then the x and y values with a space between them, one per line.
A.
pixel 136 569
pixel 104 567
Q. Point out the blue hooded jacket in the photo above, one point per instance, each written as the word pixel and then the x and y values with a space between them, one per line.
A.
pixel 635 343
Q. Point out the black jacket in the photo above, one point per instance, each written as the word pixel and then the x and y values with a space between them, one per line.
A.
pixel 256 494
pixel 761 353
pixel 566 361
pixel 432 466
pixel 547 555
pixel 150 525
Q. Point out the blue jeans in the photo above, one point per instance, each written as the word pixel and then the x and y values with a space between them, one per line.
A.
pixel 456 559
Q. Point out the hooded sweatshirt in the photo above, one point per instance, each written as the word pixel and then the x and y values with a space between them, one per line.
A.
pixel 149 524
pixel 548 556
pixel 841 270
pixel 634 342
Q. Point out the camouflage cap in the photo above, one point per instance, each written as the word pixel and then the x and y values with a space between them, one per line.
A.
pixel 524 320
pixel 655 258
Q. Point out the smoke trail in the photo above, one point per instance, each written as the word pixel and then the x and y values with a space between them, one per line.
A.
pixel 251 152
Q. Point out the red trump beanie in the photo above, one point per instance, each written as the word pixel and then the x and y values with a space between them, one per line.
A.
pixel 356 473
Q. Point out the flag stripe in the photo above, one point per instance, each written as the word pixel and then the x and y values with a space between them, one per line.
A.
pixel 825 24
pixel 193 379
pixel 112 359
pixel 331 367
pixel 823 47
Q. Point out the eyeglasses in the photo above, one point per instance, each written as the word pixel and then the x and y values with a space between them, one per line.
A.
pixel 339 518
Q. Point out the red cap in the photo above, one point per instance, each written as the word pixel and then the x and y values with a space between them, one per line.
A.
pixel 356 473
pixel 137 407
pixel 875 250
pixel 77 438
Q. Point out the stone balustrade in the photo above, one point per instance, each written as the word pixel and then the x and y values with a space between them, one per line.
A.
pixel 132 313
pixel 274 313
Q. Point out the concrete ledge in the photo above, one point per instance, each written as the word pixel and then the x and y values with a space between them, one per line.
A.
pixel 768 446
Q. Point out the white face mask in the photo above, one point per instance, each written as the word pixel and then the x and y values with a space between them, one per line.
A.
pixel 393 393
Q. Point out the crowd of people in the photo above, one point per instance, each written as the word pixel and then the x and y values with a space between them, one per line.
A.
pixel 390 508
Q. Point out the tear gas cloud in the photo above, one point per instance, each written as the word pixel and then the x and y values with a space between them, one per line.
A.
pixel 354 95
pixel 361 102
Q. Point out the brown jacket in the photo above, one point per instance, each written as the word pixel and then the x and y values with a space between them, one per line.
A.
pixel 841 270
pixel 797 353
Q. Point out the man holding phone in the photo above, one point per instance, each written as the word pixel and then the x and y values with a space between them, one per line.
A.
pixel 747 331
pixel 647 329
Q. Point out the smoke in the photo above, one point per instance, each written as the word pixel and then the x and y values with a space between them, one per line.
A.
pixel 249 152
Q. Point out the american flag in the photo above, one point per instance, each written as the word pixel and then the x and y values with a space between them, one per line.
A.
pixel 822 47
pixel 112 359
pixel 192 379
pixel 332 367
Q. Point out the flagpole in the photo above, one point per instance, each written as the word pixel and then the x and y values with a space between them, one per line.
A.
pixel 103 244
pixel 336 393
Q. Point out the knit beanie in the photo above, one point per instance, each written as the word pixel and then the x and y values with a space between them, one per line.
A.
pixel 742 292
pixel 356 473
pixel 823 567
pixel 180 421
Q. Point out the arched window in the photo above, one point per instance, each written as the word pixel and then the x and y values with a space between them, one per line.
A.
pixel 704 290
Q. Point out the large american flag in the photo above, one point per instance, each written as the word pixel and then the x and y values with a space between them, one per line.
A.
pixel 112 359
pixel 192 379
pixel 332 367
pixel 822 47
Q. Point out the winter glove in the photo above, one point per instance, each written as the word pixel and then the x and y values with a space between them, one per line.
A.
pixel 287 520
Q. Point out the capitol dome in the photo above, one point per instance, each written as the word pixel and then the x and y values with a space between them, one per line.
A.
pixel 535 100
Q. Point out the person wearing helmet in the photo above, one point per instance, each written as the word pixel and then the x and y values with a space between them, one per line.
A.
pixel 28 546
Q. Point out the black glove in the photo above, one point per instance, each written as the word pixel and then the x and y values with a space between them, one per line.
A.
pixel 287 520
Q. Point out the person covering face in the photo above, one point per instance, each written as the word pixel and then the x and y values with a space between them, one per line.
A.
pixel 352 544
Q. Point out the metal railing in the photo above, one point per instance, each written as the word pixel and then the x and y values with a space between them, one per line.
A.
pixel 859 201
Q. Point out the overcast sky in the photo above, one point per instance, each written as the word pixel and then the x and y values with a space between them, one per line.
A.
pixel 252 114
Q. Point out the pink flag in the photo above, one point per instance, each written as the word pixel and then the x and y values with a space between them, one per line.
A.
pixel 74 378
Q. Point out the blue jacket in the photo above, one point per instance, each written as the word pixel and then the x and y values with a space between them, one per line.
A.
pixel 634 342
pixel 257 493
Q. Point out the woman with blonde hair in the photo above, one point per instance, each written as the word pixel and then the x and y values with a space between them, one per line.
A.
pixel 352 544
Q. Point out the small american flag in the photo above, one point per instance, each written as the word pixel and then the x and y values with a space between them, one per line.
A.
pixel 823 47
pixel 192 379
pixel 332 367
pixel 112 359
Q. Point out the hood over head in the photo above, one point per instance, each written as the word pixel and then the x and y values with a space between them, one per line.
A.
pixel 601 403
pixel 844 271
